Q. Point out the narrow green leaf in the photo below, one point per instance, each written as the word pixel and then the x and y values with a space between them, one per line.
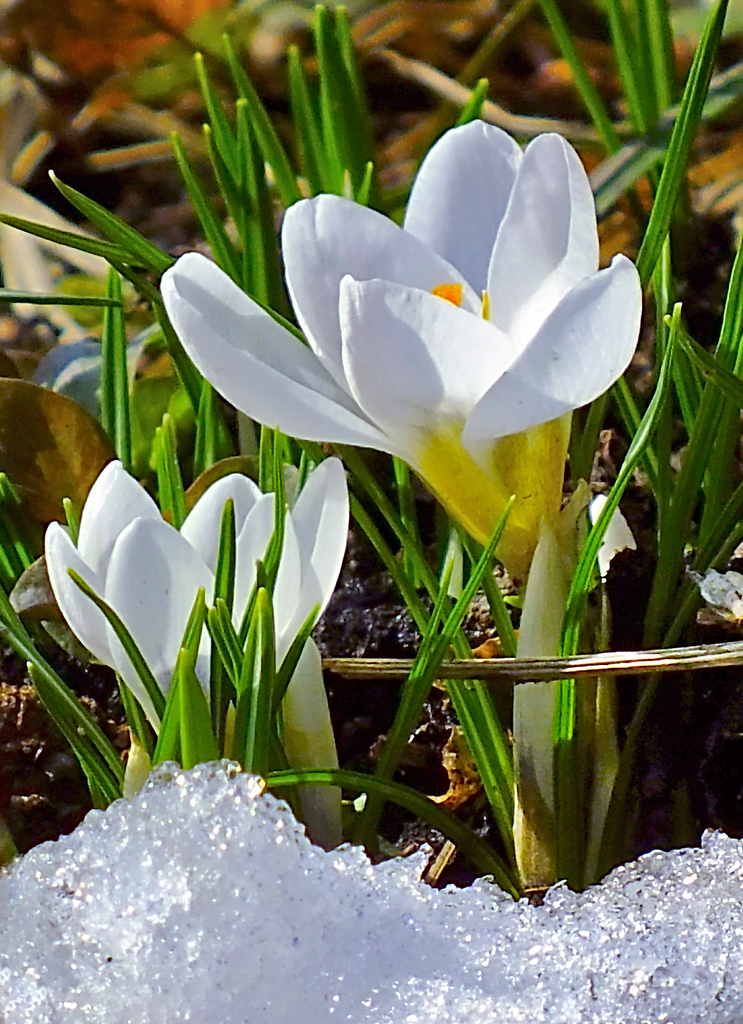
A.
pixel 472 109
pixel 56 299
pixel 98 757
pixel 170 490
pixel 108 250
pixel 224 636
pixel 433 650
pixel 114 390
pixel 582 581
pixel 124 637
pixel 223 134
pixel 254 725
pixel 138 250
pixel 188 375
pixel 475 849
pixel 306 127
pixel 273 151
pixel 586 89
pixel 682 138
pixel 211 226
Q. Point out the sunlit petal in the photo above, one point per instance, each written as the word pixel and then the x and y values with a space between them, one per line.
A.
pixel 114 501
pixel 326 238
pixel 252 541
pixel 320 519
pixel 153 578
pixel 254 362
pixel 548 240
pixel 584 345
pixel 413 359
pixel 309 743
pixel 202 525
pixel 460 195
pixel 82 616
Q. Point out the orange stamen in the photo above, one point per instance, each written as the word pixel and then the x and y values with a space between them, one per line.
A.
pixel 450 292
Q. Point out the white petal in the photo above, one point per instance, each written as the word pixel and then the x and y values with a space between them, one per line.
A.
pixel 114 501
pixel 153 578
pixel 326 238
pixel 81 615
pixel 254 362
pixel 618 536
pixel 413 359
pixel 582 348
pixel 460 195
pixel 202 524
pixel 320 519
pixel 548 240
pixel 286 592
pixel 309 743
pixel 252 541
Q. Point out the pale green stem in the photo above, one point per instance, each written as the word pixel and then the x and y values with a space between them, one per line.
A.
pixel 309 744
pixel 534 703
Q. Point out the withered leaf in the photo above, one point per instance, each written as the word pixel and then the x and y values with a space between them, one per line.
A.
pixel 50 448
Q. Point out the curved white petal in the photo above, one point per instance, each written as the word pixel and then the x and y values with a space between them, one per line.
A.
pixel 580 350
pixel 252 541
pixel 460 194
pixel 309 743
pixel 327 238
pixel 618 536
pixel 320 519
pixel 202 524
pixel 153 578
pixel 286 592
pixel 548 240
pixel 254 362
pixel 114 501
pixel 81 615
pixel 413 359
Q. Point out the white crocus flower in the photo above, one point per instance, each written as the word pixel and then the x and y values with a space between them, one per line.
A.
pixel 149 573
pixel 474 392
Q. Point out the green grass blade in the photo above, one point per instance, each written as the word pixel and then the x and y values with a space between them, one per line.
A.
pixel 211 226
pixel 582 582
pixel 96 247
pixel 55 299
pixel 98 757
pixel 170 491
pixel 477 851
pixel 433 650
pixel 343 118
pixel 150 684
pixel 218 123
pixel 684 131
pixel 114 391
pixel 306 127
pixel 225 638
pixel 586 89
pixel 138 250
pixel 472 109
pixel 270 145
pixel 254 721
pixel 632 66
pixel 188 375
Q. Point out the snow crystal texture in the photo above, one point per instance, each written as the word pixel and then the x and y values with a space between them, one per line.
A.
pixel 201 900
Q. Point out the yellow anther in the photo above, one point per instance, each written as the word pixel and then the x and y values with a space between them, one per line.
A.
pixel 485 306
pixel 450 292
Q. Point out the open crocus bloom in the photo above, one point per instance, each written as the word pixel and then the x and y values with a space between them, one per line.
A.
pixel 460 342
pixel 149 573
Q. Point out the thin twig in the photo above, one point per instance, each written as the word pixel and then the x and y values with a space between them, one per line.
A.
pixel 521 670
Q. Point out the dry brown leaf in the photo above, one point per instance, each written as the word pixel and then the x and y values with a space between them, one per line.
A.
pixel 91 38
pixel 50 448
pixel 464 779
